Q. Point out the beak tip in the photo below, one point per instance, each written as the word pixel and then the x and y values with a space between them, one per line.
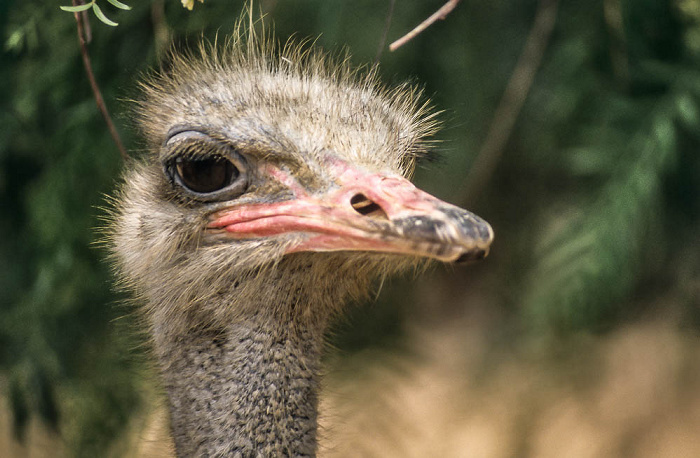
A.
pixel 471 256
pixel 478 232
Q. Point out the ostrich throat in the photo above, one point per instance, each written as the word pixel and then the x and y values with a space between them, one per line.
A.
pixel 250 386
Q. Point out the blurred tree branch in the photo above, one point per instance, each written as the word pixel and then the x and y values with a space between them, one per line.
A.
pixel 511 102
pixel 618 46
pixel 385 33
pixel 161 33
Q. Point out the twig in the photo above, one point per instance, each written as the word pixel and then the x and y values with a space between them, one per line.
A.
pixel 93 84
pixel 86 24
pixel 511 102
pixel 439 14
pixel 387 23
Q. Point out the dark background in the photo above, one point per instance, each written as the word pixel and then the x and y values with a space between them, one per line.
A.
pixel 594 197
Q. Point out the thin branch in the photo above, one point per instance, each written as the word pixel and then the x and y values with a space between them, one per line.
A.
pixel 93 84
pixel 439 14
pixel 511 102
pixel 387 23
pixel 86 25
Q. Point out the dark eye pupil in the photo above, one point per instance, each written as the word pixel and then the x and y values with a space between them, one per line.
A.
pixel 206 175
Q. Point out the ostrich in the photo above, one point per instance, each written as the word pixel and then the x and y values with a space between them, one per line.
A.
pixel 274 190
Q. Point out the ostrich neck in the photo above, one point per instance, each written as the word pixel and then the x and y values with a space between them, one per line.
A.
pixel 249 389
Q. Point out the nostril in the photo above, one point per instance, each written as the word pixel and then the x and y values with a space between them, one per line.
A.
pixel 366 207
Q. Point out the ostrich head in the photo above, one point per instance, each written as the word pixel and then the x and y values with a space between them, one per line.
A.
pixel 275 186
pixel 279 166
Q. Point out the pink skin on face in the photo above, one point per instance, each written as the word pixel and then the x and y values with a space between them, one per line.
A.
pixel 331 222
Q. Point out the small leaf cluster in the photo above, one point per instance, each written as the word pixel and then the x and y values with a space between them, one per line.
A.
pixel 97 10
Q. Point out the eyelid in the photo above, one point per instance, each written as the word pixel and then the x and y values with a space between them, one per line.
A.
pixel 183 135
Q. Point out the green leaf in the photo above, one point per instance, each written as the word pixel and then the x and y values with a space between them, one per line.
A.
pixel 101 16
pixel 119 4
pixel 78 8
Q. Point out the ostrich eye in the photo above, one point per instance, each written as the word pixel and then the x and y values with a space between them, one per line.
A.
pixel 205 168
pixel 205 175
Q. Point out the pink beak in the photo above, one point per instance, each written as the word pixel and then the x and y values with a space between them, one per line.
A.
pixel 364 212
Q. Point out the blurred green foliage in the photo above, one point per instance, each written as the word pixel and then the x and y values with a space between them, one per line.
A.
pixel 595 201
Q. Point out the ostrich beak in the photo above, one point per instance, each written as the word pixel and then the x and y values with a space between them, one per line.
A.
pixel 362 211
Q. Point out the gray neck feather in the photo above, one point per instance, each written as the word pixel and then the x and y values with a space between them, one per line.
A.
pixel 241 365
pixel 247 390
